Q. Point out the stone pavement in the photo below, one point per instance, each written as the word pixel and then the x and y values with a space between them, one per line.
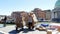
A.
pixel 11 30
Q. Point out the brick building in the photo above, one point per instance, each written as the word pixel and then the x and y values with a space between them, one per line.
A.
pixel 18 14
pixel 39 13
pixel 44 14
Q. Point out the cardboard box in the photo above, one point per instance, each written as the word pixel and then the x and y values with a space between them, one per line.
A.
pixel 49 32
pixel 58 29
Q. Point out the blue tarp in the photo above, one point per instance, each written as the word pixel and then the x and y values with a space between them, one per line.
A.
pixel 44 25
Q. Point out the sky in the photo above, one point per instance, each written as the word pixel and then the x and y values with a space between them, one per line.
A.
pixel 8 6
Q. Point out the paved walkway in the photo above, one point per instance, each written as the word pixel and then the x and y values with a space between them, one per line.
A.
pixel 11 30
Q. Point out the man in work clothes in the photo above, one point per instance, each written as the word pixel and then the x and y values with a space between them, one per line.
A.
pixel 5 18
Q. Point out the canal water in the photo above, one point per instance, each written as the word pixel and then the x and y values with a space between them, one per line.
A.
pixel 1 25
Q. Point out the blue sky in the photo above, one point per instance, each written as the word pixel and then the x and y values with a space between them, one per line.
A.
pixel 8 6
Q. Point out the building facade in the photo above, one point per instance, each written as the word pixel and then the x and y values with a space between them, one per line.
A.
pixel 39 13
pixel 56 11
pixel 18 14
pixel 48 14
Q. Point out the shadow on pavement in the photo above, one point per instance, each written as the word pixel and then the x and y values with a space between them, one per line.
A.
pixel 27 30
pixel 24 31
pixel 13 32
pixel 1 33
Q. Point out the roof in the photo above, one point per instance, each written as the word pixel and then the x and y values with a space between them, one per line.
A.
pixel 57 4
